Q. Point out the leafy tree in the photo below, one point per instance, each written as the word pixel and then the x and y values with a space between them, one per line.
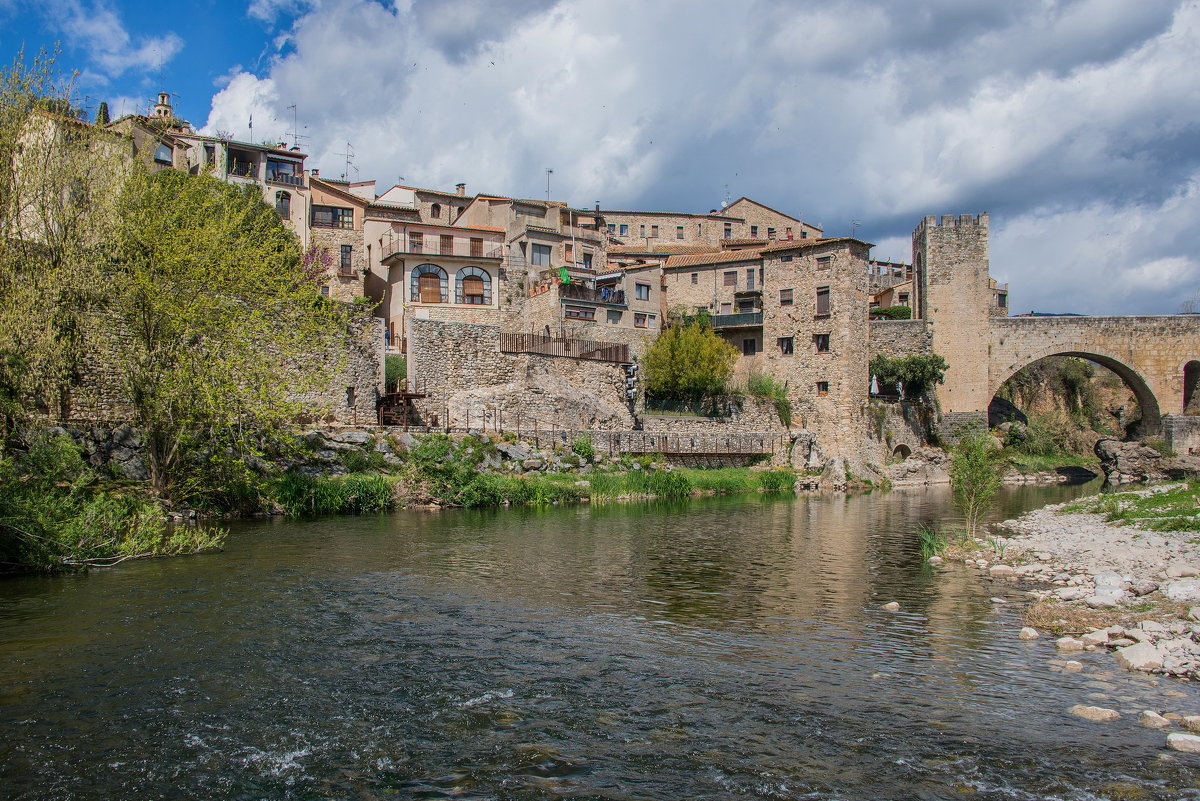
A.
pixel 918 373
pixel 207 284
pixel 688 362
pixel 974 476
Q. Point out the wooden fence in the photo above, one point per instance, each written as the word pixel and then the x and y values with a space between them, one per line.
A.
pixel 564 346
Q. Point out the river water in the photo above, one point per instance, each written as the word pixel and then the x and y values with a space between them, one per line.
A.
pixel 711 649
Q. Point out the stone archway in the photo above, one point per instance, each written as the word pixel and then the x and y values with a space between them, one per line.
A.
pixel 1151 422
pixel 1191 379
pixel 902 450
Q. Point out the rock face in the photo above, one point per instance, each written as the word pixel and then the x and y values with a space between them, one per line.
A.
pixel 1096 713
pixel 923 466
pixel 1125 462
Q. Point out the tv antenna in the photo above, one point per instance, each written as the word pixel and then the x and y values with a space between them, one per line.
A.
pixel 854 227
pixel 349 156
pixel 296 135
pixel 549 172
pixel 725 200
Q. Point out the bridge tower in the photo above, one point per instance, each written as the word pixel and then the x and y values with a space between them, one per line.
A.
pixel 950 257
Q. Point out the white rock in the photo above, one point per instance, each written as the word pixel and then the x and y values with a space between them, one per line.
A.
pixel 1181 570
pixel 1187 743
pixel 1071 593
pixel 1001 571
pixel 1071 666
pixel 1068 644
pixel 1028 633
pixel 1095 638
pixel 1140 656
pixel 1152 626
pixel 1105 597
pixel 1096 713
pixel 1152 720
pixel 998 601
pixel 1108 579
pixel 892 606
pixel 1191 723
pixel 1186 590
pixel 1194 613
pixel 936 560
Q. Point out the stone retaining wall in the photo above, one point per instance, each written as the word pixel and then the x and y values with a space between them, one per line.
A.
pixel 895 338
pixel 749 415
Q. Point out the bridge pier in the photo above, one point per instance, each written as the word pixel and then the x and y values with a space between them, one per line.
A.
pixel 1182 433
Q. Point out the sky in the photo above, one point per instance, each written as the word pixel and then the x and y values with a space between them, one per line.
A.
pixel 1074 123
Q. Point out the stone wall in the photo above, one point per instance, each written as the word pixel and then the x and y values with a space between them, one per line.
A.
pixel 894 338
pixel 750 415
pixel 764 218
pixel 1182 433
pixel 343 285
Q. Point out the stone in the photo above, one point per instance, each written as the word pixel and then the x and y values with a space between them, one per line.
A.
pixel 1095 638
pixel 1191 723
pixel 1187 743
pixel 1001 571
pixel 1185 590
pixel 1071 666
pixel 1140 656
pixel 1142 587
pixel 348 437
pixel 1152 720
pixel 1094 713
pixel 1152 627
pixel 936 560
pixel 1028 633
pixel 1180 570
pixel 534 464
pixel 1108 579
pixel 1105 597
pixel 1072 593
pixel 1068 644
pixel 892 606
pixel 998 601
pixel 1194 613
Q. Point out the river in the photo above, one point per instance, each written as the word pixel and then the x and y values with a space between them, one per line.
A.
pixel 711 649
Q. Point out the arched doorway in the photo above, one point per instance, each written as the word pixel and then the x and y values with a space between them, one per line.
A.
pixel 902 450
pixel 1191 378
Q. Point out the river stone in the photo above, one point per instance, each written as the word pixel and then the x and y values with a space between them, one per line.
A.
pixel 1143 587
pixel 892 606
pixel 1001 571
pixel 1180 570
pixel 1152 626
pixel 1071 593
pixel 1140 656
pixel 1095 638
pixel 1071 666
pixel 1028 633
pixel 1194 613
pixel 1187 743
pixel 1108 579
pixel 1095 713
pixel 1191 723
pixel 1105 597
pixel 936 560
pixel 1152 720
pixel 1068 644
pixel 1185 590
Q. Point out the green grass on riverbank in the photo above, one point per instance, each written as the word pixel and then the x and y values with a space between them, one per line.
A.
pixel 1041 463
pixel 1172 507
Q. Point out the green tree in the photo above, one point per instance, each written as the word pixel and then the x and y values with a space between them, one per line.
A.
pixel 918 373
pixel 688 362
pixel 102 117
pixel 216 315
pixel 974 476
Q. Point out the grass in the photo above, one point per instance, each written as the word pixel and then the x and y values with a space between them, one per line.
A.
pixel 1041 463
pixel 1174 507
pixel 932 541
pixel 1064 618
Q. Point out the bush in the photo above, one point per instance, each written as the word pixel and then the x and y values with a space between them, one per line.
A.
pixel 764 385
pixel 974 476
pixel 918 373
pixel 688 362
pixel 584 447
pixel 301 495
pixel 777 480
pixel 395 370
pixel 891 313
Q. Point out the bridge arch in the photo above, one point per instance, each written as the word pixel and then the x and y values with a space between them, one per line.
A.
pixel 1191 381
pixel 1151 422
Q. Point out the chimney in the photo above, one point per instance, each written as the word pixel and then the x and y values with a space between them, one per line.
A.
pixel 460 189
pixel 597 206
pixel 316 173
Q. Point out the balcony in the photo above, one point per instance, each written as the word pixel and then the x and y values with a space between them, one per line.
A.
pixel 738 320
pixel 606 295
pixel 287 179
pixel 243 169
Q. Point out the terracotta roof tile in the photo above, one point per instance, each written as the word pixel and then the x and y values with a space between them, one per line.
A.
pixel 697 259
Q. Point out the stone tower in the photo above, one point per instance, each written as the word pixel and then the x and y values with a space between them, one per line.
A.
pixel 163 109
pixel 950 257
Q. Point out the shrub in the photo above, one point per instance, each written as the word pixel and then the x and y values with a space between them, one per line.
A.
pixel 395 370
pixel 891 313
pixel 777 480
pixel 918 373
pixel 974 476
pixel 584 447
pixel 764 385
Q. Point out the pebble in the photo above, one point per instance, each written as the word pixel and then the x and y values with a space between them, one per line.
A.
pixel 1071 666
pixel 1028 633
pixel 892 606
pixel 1098 714
pixel 1068 644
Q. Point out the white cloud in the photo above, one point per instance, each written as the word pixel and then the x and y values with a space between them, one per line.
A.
pixel 837 110
pixel 99 31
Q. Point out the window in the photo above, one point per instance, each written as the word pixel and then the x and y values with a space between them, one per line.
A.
pixel 624 230
pixel 770 233
pixel 749 347
pixel 613 317
pixel 332 217
pixel 283 205
pixel 1001 300
pixel 446 244
pixel 904 299
pixel 162 154
pixel 612 228
pixel 729 230
pixel 641 291
pixel 786 257
pixel 787 346
pixel 824 262
pixel 785 297
pixel 823 301
pixel 788 233
pixel 822 387
pixel 435 211
pixel 745 305
pixel 642 231
pixel 415 242
pixel 654 230
pixel 476 247
pixel 541 255
pixel 750 280
pixel 285 172
pixel 580 312
pixel 641 320
pixel 754 232
pixel 347 263
pixel 429 284
pixel 731 278
pixel 803 234
pixel 695 278
pixel 726 308
pixel 587 260
pixel 568 253
pixel 325 290
pixel 821 343
pixel 473 286
pixel 679 232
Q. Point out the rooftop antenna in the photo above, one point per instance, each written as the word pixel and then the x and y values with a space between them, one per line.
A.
pixel 349 154
pixel 296 136
pixel 549 172
pixel 854 227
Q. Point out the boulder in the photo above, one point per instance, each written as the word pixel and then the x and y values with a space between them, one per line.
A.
pixel 1028 633
pixel 1139 656
pixel 1105 597
pixel 1072 593
pixel 1001 571
pixel 1071 666
pixel 1194 613
pixel 892 606
pixel 1094 713
pixel 1142 587
pixel 1187 743
pixel 1180 570
pixel 348 437
pixel 1095 638
pixel 936 560
pixel 1109 579
pixel 1068 644
pixel 1186 590
pixel 1191 723
pixel 1152 720
pixel 1123 462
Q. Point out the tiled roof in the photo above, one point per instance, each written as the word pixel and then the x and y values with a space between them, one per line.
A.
pixel 727 256
pixel 669 250
pixel 734 243
pixel 803 243
pixel 687 214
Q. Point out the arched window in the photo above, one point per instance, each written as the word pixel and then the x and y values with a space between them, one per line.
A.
pixel 429 284
pixel 435 211
pixel 283 205
pixel 474 286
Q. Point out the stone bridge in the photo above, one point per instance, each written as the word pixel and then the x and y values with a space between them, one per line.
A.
pixel 1158 357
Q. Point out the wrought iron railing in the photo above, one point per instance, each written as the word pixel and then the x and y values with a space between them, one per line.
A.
pixel 564 346
pixel 739 320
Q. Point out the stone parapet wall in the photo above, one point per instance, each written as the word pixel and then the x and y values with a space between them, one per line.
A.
pixel 750 415
pixel 1182 433
pixel 894 338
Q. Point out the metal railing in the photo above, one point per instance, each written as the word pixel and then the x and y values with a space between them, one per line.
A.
pixel 461 247
pixel 285 178
pixel 564 346
pixel 741 319
pixel 613 297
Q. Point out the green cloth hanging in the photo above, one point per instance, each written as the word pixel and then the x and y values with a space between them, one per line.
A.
pixel 562 274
